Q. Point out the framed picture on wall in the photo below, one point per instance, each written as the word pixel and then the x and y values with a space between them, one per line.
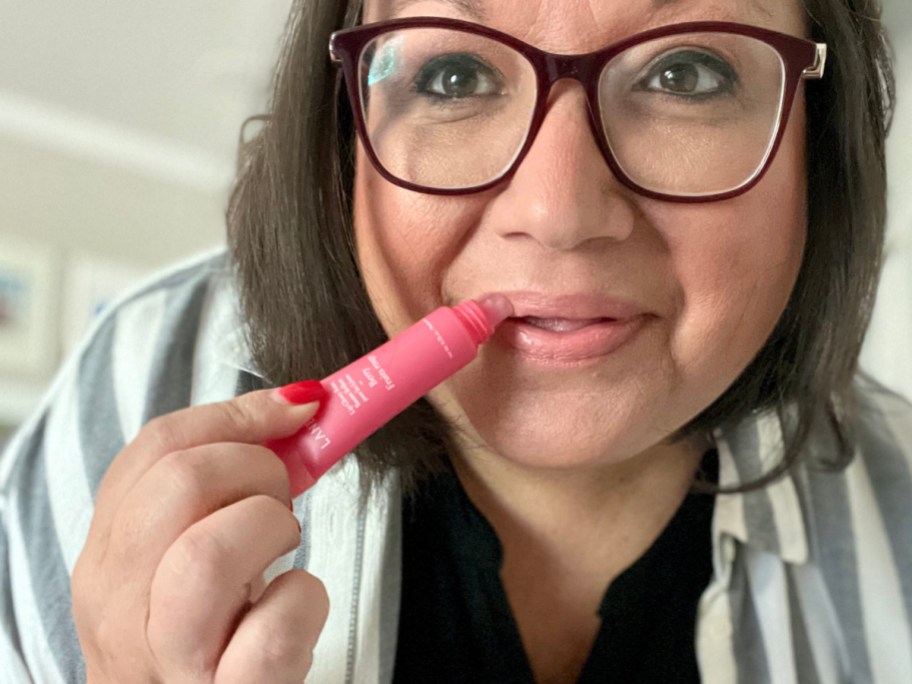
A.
pixel 91 283
pixel 28 308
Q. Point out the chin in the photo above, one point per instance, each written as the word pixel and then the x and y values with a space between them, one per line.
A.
pixel 553 443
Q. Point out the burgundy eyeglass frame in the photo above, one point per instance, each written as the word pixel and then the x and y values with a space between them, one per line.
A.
pixel 802 59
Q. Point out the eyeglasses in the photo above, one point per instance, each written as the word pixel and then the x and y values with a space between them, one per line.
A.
pixel 689 112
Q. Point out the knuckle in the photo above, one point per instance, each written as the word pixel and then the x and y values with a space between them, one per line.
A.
pixel 108 632
pixel 160 434
pixel 194 560
pixel 312 588
pixel 278 645
pixel 183 474
pixel 106 636
pixel 275 510
pixel 233 416
pixel 281 522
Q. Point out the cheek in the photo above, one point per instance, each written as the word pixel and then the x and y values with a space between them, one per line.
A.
pixel 405 243
pixel 737 269
pixel 735 297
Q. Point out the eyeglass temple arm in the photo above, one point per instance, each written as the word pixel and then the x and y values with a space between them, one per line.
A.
pixel 333 57
pixel 815 71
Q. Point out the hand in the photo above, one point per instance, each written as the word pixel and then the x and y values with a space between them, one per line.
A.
pixel 169 587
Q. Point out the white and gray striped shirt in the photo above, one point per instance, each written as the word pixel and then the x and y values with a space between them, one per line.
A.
pixel 812 576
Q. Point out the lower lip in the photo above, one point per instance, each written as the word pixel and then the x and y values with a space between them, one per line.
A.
pixel 569 348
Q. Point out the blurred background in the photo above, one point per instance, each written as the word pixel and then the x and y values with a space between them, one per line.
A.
pixel 119 124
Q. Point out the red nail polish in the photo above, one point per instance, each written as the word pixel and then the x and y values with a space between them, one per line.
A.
pixel 302 392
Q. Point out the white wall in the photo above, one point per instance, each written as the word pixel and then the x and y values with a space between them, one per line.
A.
pixel 888 350
pixel 118 130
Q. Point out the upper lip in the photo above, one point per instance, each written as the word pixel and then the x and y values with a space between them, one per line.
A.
pixel 572 306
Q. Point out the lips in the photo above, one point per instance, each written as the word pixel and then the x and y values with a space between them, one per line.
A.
pixel 570 329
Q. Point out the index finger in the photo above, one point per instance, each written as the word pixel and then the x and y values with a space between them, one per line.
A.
pixel 252 418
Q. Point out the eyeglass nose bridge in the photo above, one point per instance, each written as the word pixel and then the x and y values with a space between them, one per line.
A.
pixel 582 68
pixel 586 70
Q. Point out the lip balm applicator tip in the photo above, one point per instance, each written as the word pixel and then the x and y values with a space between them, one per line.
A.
pixel 497 308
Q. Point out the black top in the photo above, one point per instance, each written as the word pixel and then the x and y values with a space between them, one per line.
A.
pixel 456 624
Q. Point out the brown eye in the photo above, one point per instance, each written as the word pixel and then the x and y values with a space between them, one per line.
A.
pixel 457 81
pixel 690 74
pixel 680 78
pixel 458 76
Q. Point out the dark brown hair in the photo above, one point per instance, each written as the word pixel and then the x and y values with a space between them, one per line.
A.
pixel 307 312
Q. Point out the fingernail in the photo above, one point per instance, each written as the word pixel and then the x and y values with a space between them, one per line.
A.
pixel 301 392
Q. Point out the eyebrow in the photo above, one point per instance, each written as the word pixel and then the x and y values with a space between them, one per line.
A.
pixel 471 8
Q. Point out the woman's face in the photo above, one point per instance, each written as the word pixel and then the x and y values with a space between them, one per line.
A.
pixel 695 289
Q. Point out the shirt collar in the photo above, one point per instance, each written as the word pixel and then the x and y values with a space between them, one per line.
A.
pixel 769 519
pixel 230 340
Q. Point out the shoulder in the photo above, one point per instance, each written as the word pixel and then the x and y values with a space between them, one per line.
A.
pixel 172 341
pixel 879 480
pixel 880 426
pixel 883 424
pixel 858 521
pixel 149 352
pixel 880 473
pixel 859 517
pixel 168 307
pixel 153 351
pixel 879 476
pixel 156 350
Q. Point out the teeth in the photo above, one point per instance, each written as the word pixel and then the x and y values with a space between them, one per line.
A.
pixel 561 325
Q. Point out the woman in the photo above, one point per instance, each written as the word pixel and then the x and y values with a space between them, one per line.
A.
pixel 688 226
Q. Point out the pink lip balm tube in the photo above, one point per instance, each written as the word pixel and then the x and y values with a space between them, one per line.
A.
pixel 367 393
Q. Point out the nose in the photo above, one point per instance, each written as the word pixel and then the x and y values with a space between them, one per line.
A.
pixel 563 194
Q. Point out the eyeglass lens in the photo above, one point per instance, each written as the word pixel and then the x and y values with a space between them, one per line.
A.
pixel 689 114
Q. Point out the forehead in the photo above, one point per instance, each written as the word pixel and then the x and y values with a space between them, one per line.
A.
pixel 571 26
